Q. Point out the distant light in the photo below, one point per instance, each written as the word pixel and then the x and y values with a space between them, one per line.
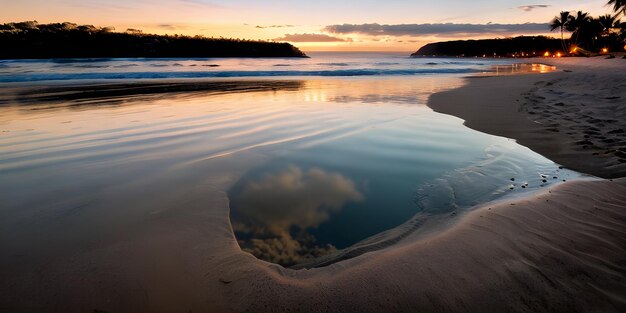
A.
pixel 605 50
pixel 558 54
pixel 547 54
pixel 574 49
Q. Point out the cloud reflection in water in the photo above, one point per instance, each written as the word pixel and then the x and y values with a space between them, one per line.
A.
pixel 271 215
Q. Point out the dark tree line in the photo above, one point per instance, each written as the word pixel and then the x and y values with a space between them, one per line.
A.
pixel 30 40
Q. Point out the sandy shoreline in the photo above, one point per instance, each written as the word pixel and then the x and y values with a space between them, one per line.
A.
pixel 562 250
pixel 575 116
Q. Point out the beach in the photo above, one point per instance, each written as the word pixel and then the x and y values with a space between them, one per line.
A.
pixel 560 251
pixel 156 248
pixel 329 156
pixel 574 116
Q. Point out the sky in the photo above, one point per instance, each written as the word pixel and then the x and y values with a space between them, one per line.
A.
pixel 312 25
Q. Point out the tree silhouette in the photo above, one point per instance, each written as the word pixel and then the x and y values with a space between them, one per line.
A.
pixel 619 6
pixel 561 22
pixel 608 22
pixel 594 34
pixel 579 23
pixel 31 40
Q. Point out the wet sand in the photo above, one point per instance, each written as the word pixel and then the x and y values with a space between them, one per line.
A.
pixel 575 116
pixel 563 250
pixel 560 251
pixel 101 92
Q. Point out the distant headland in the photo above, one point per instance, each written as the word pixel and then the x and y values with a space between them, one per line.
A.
pixel 523 46
pixel 31 40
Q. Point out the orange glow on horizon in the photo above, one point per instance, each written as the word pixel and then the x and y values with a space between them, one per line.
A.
pixel 256 20
pixel 345 42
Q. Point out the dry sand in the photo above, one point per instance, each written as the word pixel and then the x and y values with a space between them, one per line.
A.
pixel 563 250
pixel 575 116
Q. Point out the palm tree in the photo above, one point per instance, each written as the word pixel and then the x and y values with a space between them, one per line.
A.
pixel 619 6
pixel 622 34
pixel 607 29
pixel 608 23
pixel 561 22
pixel 578 24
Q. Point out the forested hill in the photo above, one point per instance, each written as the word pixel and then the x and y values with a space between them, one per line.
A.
pixel 506 47
pixel 30 40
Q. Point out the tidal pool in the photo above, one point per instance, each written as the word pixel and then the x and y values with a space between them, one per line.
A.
pixel 401 159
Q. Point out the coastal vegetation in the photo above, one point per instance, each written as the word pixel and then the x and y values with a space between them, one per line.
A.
pixel 588 36
pixel 31 40
pixel 592 35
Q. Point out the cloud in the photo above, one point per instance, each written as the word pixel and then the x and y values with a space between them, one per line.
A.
pixel 265 212
pixel 449 29
pixel 285 250
pixel 204 3
pixel 274 26
pixel 103 5
pixel 294 198
pixel 167 26
pixel 310 38
pixel 531 7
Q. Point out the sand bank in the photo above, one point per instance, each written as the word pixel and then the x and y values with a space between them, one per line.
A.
pixel 575 116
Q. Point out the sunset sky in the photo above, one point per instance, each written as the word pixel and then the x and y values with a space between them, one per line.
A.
pixel 364 25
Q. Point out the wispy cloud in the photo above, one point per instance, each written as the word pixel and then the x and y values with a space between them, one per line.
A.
pixel 310 38
pixel 204 3
pixel 531 7
pixel 102 5
pixel 168 26
pixel 274 26
pixel 445 29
